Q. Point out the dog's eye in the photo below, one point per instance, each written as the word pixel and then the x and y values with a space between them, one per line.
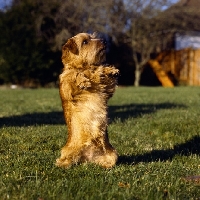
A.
pixel 85 42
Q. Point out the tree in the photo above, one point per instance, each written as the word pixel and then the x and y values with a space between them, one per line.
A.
pixel 182 16
pixel 74 16
pixel 33 32
pixel 144 31
pixel 151 28
pixel 29 60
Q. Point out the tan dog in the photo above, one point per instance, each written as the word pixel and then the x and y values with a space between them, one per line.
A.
pixel 85 87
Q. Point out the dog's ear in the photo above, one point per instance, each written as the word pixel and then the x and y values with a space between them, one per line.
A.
pixel 71 46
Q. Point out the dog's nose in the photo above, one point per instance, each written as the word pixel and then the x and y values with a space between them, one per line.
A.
pixel 103 41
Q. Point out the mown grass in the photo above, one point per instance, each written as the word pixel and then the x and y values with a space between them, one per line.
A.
pixel 156 132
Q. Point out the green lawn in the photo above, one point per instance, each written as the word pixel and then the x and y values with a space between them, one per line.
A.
pixel 156 132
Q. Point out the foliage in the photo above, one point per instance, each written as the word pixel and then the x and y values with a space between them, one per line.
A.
pixel 33 32
pixel 28 57
pixel 155 131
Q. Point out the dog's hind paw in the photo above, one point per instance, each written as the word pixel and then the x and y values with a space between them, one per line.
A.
pixel 63 163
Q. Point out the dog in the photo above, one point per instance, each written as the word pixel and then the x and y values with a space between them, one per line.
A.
pixel 86 84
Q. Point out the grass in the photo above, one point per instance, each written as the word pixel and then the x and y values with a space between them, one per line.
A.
pixel 156 132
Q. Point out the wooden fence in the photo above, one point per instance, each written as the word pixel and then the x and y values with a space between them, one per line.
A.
pixel 184 65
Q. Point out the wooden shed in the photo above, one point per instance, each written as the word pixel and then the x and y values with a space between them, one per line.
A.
pixel 183 65
pixel 182 61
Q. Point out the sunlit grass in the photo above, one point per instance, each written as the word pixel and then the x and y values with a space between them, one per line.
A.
pixel 156 132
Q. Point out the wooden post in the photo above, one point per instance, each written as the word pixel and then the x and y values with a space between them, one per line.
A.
pixel 194 68
pixel 160 73
pixel 172 61
pixel 197 61
pixel 191 68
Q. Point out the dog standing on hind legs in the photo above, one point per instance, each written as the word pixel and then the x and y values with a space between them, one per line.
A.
pixel 86 84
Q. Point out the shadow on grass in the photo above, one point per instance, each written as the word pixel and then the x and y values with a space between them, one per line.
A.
pixel 190 147
pixel 123 112
pixel 136 110
pixel 33 119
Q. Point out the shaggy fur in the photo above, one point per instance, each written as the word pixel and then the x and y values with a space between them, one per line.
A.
pixel 86 84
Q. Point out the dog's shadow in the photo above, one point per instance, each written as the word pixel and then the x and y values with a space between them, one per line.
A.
pixel 31 119
pixel 136 110
pixel 123 112
pixel 57 117
pixel 192 146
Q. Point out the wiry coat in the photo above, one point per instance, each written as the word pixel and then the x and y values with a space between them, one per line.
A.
pixel 86 84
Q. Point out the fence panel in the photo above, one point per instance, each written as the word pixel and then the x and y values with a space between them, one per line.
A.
pixel 183 64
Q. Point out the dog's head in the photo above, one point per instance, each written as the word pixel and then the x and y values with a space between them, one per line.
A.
pixel 84 49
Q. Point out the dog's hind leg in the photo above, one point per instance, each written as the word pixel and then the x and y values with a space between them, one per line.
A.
pixel 69 156
pixel 108 155
pixel 107 159
pixel 100 152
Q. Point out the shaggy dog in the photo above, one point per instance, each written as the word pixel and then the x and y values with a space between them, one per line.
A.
pixel 86 84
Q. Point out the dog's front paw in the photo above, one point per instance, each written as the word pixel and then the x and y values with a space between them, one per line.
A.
pixel 83 82
pixel 85 85
pixel 98 75
pixel 112 72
